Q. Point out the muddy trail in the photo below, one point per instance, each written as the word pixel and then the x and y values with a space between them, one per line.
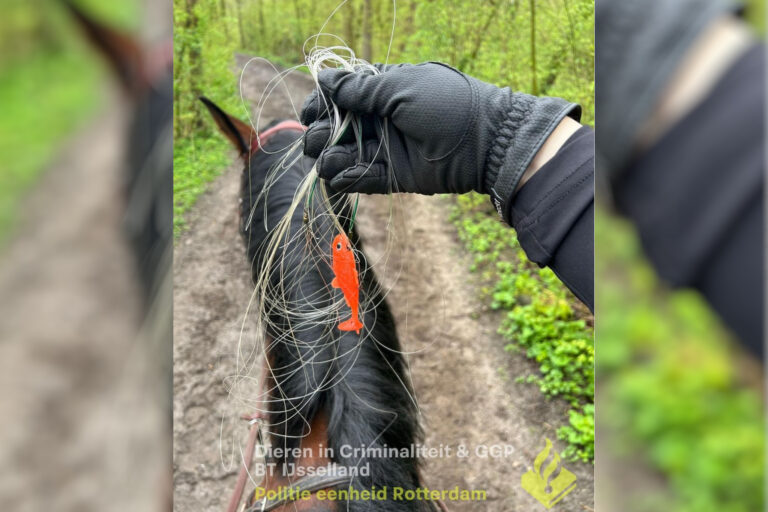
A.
pixel 464 381
pixel 85 430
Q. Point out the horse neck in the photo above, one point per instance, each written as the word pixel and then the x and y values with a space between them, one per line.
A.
pixel 369 407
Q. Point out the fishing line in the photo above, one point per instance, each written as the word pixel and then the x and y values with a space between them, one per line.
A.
pixel 288 253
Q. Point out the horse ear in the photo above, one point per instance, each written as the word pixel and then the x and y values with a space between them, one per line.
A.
pixel 239 133
pixel 122 51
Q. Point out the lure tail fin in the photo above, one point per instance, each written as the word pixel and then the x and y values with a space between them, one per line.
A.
pixel 353 324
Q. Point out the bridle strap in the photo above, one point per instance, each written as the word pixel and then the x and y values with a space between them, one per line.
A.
pixel 440 505
pixel 255 419
pixel 262 137
pixel 312 483
pixel 309 483
pixel 242 477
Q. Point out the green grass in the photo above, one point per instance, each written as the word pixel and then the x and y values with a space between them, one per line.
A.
pixel 196 162
pixel 673 384
pixel 49 85
pixel 45 98
pixel 540 319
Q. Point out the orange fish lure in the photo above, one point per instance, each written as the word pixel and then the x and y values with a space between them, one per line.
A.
pixel 345 272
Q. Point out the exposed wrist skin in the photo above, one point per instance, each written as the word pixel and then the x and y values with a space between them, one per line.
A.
pixel 723 42
pixel 551 146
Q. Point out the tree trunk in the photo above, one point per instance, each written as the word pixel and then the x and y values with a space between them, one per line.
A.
pixel 469 64
pixel 572 36
pixel 407 30
pixel 349 26
pixel 223 17
pixel 534 84
pixel 263 31
pixel 300 34
pixel 195 69
pixel 367 35
pixel 239 4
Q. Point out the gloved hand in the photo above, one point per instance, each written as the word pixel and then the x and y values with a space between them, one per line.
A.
pixel 429 129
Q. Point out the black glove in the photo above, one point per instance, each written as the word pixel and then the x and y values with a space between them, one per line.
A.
pixel 437 129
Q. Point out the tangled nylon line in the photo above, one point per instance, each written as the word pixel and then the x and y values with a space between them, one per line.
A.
pixel 323 216
pixel 308 248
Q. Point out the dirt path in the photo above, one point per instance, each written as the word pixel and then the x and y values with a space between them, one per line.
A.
pixel 464 381
pixel 81 429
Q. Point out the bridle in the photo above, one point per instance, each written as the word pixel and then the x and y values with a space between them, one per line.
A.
pixel 262 138
pixel 332 477
pixel 312 483
pixel 309 483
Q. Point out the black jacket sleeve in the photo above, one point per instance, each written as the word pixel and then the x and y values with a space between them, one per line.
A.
pixel 553 214
pixel 696 199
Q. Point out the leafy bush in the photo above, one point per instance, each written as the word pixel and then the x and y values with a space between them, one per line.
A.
pixel 196 162
pixel 204 45
pixel 540 318
pixel 672 386
pixel 49 84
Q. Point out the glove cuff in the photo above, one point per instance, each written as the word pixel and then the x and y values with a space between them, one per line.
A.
pixel 529 123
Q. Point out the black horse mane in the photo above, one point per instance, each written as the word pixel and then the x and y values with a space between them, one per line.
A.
pixel 362 388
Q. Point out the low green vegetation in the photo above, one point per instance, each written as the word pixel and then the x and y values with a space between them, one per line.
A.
pixel 674 387
pixel 203 65
pixel 31 132
pixel 49 85
pixel 539 318
pixel 196 162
